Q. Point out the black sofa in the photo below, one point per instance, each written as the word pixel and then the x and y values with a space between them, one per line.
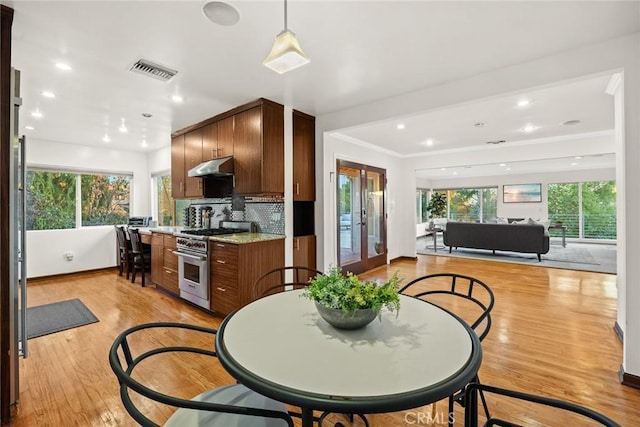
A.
pixel 525 238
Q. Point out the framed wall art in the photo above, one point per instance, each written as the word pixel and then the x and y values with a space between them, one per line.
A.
pixel 522 193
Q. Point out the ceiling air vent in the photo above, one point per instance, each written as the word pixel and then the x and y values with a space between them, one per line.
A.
pixel 151 69
pixel 501 141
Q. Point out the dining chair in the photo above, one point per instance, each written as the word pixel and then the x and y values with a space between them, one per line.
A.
pixel 124 251
pixel 140 256
pixel 283 279
pixel 468 298
pixel 229 405
pixel 525 409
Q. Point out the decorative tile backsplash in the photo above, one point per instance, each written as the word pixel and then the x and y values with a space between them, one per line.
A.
pixel 266 212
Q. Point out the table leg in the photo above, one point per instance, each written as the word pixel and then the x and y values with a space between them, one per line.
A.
pixel 435 246
pixel 307 417
pixel 564 237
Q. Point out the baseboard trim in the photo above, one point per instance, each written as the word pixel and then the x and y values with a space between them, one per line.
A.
pixel 619 332
pixel 75 273
pixel 403 258
pixel 627 379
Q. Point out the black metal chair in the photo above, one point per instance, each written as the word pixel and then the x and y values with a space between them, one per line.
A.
pixel 468 298
pixel 140 256
pixel 276 280
pixel 124 251
pixel 522 402
pixel 230 405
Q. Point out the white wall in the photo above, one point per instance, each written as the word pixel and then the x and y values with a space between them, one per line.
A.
pixel 621 54
pixel 93 247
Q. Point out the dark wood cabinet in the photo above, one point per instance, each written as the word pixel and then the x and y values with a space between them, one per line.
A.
pixel 164 263
pixel 304 251
pixel 177 167
pixel 304 171
pixel 225 137
pixel 210 142
pixel 192 158
pixel 235 268
pixel 258 149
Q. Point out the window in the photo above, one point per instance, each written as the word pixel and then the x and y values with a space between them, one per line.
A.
pixel 463 204
pixel 587 209
pixel 166 205
pixel 61 200
pixel 422 200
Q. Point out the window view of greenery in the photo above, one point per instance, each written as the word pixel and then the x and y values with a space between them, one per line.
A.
pixel 594 218
pixel 166 204
pixel 422 200
pixel 51 199
pixel 104 199
pixel 472 204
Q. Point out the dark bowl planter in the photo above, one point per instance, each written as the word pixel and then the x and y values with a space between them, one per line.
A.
pixel 341 320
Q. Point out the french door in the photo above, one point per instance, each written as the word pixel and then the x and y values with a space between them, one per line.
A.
pixel 362 225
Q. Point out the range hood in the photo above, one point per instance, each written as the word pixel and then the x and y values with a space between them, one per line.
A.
pixel 216 167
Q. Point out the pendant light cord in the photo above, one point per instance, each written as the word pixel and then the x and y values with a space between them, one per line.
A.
pixel 285 15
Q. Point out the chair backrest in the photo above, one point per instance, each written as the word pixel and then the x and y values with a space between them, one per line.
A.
pixel 282 279
pixel 123 244
pixel 136 243
pixel 465 296
pixel 517 408
pixel 124 358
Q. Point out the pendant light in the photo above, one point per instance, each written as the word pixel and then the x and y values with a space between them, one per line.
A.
pixel 286 53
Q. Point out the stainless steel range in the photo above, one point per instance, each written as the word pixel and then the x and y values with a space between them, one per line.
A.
pixel 193 259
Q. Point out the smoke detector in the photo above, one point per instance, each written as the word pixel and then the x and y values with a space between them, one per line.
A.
pixel 152 69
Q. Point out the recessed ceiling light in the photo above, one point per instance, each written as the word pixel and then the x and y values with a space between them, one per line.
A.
pixel 570 122
pixel 508 169
pixel 577 157
pixel 63 66
pixel 106 138
pixel 123 128
pixel 573 164
pixel 523 103
pixel 503 164
pixel 455 173
pixel 221 13
pixel 176 98
pixel 479 124
pixel 37 114
pixel 144 143
pixel 400 126
pixel 529 128
pixel 29 128
pixel 443 169
pixel 48 94
pixel 429 142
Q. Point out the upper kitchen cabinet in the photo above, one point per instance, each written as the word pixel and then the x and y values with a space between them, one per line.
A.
pixel 304 143
pixel 258 149
pixel 177 167
pixel 192 158
pixel 217 139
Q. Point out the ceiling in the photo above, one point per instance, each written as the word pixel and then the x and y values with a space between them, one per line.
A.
pixel 361 51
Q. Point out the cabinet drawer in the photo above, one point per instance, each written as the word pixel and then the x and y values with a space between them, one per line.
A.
pixel 225 278
pixel 169 241
pixel 170 280
pixel 170 259
pixel 157 239
pixel 224 299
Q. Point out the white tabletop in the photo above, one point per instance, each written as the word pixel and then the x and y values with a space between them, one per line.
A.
pixel 281 343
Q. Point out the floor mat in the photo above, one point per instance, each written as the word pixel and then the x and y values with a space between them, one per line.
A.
pixel 58 316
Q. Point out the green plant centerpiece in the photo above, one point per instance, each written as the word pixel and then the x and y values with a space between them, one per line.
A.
pixel 347 302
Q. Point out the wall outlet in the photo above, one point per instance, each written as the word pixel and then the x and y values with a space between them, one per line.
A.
pixel 68 256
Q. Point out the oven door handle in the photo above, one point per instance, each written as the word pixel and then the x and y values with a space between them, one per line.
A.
pixel 199 258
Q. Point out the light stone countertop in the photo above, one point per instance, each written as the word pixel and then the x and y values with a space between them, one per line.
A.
pixel 243 238
pixel 165 229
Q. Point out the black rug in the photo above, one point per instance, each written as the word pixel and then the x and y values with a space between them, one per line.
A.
pixel 58 316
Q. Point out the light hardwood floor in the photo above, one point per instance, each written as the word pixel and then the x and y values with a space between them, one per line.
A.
pixel 552 335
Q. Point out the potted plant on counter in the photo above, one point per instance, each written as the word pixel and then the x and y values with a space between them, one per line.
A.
pixel 347 302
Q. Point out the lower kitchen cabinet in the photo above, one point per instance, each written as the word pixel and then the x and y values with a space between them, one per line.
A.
pixel 304 253
pixel 234 268
pixel 164 263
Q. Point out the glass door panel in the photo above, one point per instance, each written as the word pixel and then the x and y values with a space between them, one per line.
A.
pixel 349 209
pixel 361 217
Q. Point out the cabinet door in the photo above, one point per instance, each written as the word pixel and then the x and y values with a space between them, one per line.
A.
pixel 225 137
pixel 210 142
pixel 157 257
pixel 304 252
pixel 304 172
pixel 177 167
pixel 192 158
pixel 247 151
